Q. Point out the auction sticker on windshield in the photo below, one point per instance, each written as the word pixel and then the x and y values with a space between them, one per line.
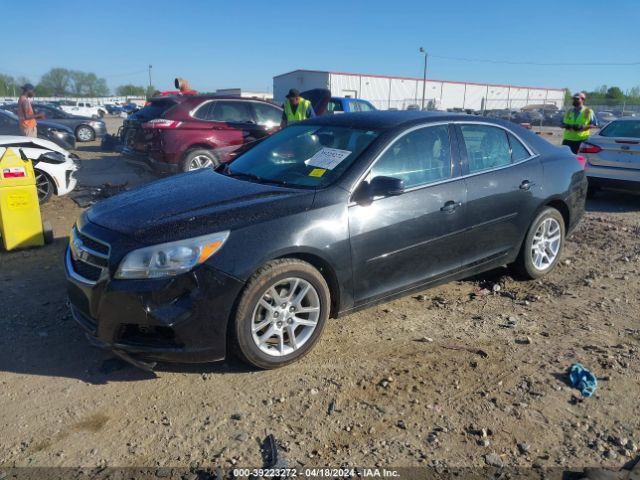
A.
pixel 328 158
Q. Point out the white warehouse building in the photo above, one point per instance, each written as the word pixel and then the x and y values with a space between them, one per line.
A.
pixel 387 92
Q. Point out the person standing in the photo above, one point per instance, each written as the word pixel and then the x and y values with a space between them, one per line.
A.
pixel 577 122
pixel 296 108
pixel 28 123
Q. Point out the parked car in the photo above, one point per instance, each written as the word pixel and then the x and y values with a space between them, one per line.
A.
pixel 86 129
pixel 327 216
pixel 346 105
pixel 134 139
pixel 53 166
pixel 86 109
pixel 187 136
pixel 57 133
pixel 613 156
pixel 605 117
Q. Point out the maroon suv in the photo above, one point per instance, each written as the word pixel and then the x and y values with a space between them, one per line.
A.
pixel 198 131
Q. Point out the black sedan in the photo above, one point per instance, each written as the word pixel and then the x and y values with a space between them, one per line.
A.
pixel 325 217
pixel 85 129
pixel 59 134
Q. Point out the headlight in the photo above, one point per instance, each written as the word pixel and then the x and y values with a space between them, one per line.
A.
pixel 170 259
pixel 52 157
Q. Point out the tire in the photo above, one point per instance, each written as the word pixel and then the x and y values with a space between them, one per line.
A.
pixel 249 333
pixel 536 257
pixel 44 186
pixel 198 159
pixel 84 133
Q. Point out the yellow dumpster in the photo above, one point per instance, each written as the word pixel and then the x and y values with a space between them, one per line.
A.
pixel 20 221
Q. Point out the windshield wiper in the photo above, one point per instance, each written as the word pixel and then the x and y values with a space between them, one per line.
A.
pixel 253 177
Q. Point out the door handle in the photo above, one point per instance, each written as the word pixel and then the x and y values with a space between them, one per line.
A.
pixel 450 206
pixel 526 185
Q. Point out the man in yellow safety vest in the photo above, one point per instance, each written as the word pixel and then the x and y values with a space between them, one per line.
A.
pixel 296 108
pixel 577 122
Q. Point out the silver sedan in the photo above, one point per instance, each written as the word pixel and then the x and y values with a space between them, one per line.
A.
pixel 613 156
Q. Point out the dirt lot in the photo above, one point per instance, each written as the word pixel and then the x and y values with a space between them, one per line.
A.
pixel 388 386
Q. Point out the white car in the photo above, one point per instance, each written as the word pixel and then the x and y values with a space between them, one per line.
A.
pixel 54 167
pixel 85 109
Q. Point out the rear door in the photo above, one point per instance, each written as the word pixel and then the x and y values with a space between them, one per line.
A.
pixel 618 146
pixel 401 241
pixel 502 176
pixel 238 116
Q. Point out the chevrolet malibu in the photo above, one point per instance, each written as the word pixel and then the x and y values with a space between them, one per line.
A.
pixel 328 216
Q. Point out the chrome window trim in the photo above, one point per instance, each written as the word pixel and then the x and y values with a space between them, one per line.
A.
pixel 450 179
pixel 195 109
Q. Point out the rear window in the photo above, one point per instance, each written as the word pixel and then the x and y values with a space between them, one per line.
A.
pixel 155 109
pixel 626 128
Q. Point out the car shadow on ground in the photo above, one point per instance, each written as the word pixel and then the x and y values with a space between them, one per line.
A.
pixel 39 336
pixel 612 201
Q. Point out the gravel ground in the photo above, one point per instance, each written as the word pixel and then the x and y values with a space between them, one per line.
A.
pixel 463 375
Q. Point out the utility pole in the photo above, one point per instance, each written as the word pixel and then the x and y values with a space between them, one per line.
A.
pixel 424 75
pixel 150 67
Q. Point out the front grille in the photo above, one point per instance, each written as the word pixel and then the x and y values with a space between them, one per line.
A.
pixel 94 245
pixel 86 270
pixel 89 258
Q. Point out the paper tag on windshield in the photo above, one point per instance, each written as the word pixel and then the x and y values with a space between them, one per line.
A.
pixel 328 158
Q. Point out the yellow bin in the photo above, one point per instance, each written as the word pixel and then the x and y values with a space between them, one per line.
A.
pixel 20 221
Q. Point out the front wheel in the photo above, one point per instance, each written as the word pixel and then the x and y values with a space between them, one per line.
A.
pixel 85 133
pixel 44 186
pixel 543 244
pixel 281 314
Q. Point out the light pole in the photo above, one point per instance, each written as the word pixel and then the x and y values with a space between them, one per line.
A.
pixel 424 75
pixel 150 67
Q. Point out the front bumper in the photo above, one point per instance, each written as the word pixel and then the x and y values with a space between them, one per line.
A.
pixel 182 319
pixel 100 129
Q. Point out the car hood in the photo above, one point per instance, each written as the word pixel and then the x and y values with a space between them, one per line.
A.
pixel 193 204
pixel 56 125
pixel 30 142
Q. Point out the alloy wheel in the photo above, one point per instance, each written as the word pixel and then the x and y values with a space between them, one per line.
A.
pixel 43 186
pixel 200 161
pixel 285 317
pixel 85 134
pixel 546 244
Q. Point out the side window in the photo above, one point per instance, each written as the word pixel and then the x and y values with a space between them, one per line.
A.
pixel 487 147
pixel 518 151
pixel 235 112
pixel 354 106
pixel 334 106
pixel 420 157
pixel 267 115
pixel 365 107
pixel 202 113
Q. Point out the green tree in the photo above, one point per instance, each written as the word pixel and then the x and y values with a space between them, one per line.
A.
pixel 57 81
pixel 150 91
pixel 130 90
pixel 8 86
pixel 99 88
pixel 615 94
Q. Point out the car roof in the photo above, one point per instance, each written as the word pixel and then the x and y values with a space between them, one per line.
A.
pixel 385 120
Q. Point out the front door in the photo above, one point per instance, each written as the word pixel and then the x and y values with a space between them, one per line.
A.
pixel 404 240
pixel 502 178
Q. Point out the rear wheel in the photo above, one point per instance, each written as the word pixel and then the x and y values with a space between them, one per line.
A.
pixel 198 159
pixel 543 244
pixel 44 186
pixel 281 314
pixel 85 133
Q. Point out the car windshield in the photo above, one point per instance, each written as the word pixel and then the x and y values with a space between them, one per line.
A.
pixel 624 128
pixel 11 114
pixel 309 156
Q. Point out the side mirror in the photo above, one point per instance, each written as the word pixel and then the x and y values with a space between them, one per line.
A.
pixel 386 187
pixel 378 187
